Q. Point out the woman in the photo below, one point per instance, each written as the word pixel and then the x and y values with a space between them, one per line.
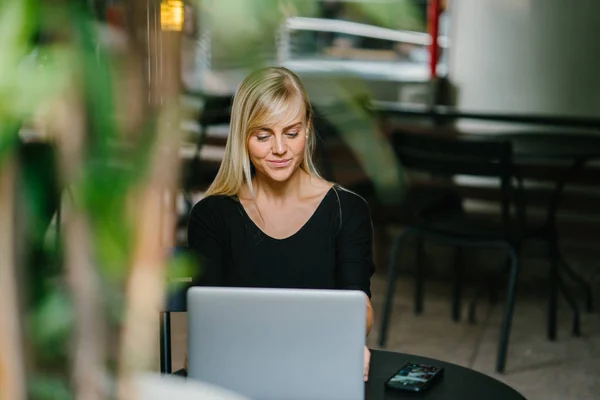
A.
pixel 269 219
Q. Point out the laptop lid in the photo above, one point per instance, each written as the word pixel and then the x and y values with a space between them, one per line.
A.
pixel 278 343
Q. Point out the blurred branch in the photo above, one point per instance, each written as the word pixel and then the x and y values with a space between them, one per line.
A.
pixel 15 31
pixel 12 374
pixel 82 275
pixel 154 200
pixel 146 281
pixel 88 370
pixel 84 123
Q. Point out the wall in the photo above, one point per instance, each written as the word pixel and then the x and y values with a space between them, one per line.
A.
pixel 526 56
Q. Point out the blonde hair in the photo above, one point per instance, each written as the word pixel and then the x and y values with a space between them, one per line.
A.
pixel 264 98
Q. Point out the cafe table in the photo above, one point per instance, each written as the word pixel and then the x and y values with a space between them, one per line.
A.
pixel 573 151
pixel 457 382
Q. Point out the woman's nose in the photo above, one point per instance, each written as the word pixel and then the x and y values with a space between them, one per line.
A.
pixel 278 145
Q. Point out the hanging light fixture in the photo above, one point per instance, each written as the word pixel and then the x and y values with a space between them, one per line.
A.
pixel 171 15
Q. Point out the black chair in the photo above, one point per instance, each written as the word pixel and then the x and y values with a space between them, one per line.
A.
pixel 446 157
pixel 215 111
pixel 418 202
pixel 176 301
pixel 196 174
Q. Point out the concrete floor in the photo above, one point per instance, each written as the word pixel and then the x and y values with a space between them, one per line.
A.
pixel 568 368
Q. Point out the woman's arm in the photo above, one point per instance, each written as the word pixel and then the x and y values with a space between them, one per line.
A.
pixel 369 316
pixel 367 352
pixel 206 240
pixel 354 252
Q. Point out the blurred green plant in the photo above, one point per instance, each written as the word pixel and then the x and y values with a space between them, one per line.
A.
pixel 60 80
pixel 392 14
pixel 24 82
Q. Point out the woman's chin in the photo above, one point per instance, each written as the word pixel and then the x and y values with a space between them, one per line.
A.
pixel 279 175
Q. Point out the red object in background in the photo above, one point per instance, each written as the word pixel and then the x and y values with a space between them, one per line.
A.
pixel 115 16
pixel 433 28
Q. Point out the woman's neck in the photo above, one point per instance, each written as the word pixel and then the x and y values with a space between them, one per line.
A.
pixel 279 192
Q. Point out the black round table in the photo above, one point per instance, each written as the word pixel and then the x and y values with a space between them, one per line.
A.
pixel 457 383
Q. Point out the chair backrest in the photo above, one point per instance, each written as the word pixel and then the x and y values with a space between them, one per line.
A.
pixel 216 110
pixel 470 155
pixel 324 131
pixel 448 156
pixel 350 139
pixel 180 280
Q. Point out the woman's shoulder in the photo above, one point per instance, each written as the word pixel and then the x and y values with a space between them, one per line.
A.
pixel 348 199
pixel 213 205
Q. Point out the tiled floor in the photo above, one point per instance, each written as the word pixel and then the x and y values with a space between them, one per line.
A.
pixel 568 368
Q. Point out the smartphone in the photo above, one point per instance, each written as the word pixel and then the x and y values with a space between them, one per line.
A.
pixel 414 377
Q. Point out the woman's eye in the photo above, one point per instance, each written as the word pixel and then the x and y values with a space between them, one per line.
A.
pixel 292 134
pixel 262 138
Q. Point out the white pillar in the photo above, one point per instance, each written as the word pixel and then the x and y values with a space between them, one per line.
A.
pixel 526 56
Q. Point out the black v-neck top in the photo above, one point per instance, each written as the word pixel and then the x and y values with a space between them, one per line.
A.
pixel 332 250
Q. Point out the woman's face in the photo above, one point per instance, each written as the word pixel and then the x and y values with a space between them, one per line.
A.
pixel 277 151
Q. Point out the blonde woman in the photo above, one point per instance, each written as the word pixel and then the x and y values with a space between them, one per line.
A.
pixel 269 219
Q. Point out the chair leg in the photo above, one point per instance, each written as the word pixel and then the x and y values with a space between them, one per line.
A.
pixel 553 299
pixel 473 305
pixel 492 295
pixel 389 296
pixel 491 292
pixel 508 315
pixel 458 282
pixel 589 300
pixel 165 342
pixel 419 277
pixel 572 302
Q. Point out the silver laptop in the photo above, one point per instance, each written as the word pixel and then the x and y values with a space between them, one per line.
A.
pixel 278 343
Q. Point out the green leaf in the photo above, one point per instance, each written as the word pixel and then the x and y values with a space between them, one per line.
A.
pixel 48 388
pixel 50 325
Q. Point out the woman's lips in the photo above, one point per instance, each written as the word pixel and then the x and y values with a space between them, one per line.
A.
pixel 279 163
